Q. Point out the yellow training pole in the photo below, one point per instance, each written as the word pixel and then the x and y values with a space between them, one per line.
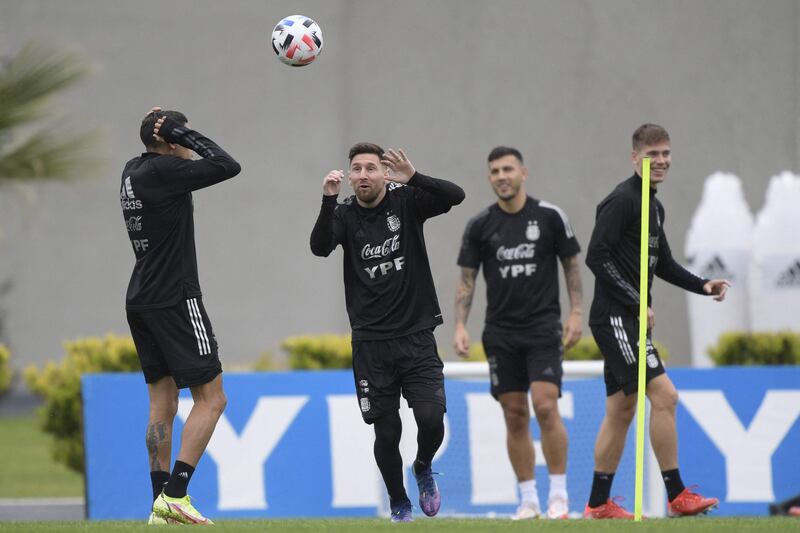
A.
pixel 643 264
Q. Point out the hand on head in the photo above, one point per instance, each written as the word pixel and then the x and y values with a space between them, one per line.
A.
pixel 159 122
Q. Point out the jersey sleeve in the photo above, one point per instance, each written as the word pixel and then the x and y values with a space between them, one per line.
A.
pixel 185 175
pixel 566 244
pixel 433 196
pixel 670 270
pixel 328 229
pixel 470 253
pixel 613 216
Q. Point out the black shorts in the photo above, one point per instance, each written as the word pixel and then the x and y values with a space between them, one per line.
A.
pixel 618 340
pixel 176 341
pixel 518 359
pixel 384 368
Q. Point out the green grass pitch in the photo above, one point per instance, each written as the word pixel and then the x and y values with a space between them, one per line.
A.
pixel 702 524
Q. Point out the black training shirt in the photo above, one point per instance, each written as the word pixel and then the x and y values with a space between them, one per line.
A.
pixel 518 252
pixel 156 201
pixel 389 289
pixel 613 254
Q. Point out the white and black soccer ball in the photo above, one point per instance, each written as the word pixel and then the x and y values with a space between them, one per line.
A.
pixel 297 40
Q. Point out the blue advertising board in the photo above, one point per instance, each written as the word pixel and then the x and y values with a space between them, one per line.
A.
pixel 293 444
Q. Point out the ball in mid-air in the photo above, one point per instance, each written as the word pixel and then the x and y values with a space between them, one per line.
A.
pixel 297 40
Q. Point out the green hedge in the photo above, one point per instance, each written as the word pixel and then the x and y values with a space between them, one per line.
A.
pixel 739 348
pixel 585 350
pixel 60 387
pixel 6 373
pixel 315 352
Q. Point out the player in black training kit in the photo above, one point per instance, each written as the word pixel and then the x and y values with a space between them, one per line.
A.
pixel 613 257
pixel 518 240
pixel 392 305
pixel 168 322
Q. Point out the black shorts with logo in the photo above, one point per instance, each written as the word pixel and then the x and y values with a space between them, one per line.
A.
pixel 176 341
pixel 618 340
pixel 517 359
pixel 385 368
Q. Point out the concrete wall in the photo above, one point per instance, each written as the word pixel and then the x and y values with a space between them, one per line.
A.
pixel 564 81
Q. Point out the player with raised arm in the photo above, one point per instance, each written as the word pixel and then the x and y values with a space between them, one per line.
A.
pixel 392 305
pixel 613 257
pixel 169 324
pixel 519 241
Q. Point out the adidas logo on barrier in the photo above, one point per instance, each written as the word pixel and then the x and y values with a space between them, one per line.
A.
pixel 716 269
pixel 791 277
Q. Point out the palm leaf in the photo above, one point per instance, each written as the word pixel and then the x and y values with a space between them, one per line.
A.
pixel 29 78
pixel 27 81
pixel 45 155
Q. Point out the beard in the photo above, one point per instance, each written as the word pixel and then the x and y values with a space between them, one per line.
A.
pixel 368 195
pixel 507 193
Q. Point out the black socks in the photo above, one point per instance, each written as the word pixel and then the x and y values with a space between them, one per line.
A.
pixel 158 479
pixel 601 488
pixel 179 480
pixel 673 483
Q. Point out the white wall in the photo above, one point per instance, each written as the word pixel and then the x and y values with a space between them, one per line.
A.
pixel 566 82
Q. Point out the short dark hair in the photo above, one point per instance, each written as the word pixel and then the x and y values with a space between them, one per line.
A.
pixel 149 122
pixel 502 151
pixel 648 135
pixel 365 148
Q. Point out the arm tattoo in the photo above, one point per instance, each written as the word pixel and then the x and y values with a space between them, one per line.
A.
pixel 572 274
pixel 156 438
pixel 464 292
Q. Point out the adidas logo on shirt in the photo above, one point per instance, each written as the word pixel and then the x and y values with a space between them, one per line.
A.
pixel 127 200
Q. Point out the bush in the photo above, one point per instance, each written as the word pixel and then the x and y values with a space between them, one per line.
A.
pixel 60 386
pixel 585 350
pixel 268 362
pixel 315 352
pixel 740 348
pixel 6 373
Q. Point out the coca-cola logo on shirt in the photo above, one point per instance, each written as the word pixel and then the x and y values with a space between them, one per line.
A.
pixel 390 245
pixel 521 251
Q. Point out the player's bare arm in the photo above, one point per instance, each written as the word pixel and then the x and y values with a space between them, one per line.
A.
pixel 574 323
pixel 465 290
pixel 332 183
pixel 399 164
pixel 717 288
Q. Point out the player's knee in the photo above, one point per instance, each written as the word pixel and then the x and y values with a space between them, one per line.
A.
pixel 218 402
pixel 429 417
pixel 388 430
pixel 622 413
pixel 517 419
pixel 666 399
pixel 546 412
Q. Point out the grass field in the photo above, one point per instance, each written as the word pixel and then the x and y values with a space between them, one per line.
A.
pixel 440 525
pixel 26 467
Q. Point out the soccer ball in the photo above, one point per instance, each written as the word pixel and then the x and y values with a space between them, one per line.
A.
pixel 297 40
